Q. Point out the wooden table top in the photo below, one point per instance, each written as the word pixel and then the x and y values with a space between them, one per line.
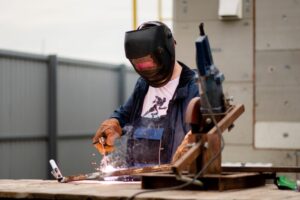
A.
pixel 50 189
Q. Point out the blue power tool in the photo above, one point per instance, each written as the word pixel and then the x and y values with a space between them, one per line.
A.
pixel 210 77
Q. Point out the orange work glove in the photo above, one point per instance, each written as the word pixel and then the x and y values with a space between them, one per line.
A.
pixel 183 147
pixel 110 129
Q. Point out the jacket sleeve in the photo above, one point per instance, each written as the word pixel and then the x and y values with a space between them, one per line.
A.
pixel 124 112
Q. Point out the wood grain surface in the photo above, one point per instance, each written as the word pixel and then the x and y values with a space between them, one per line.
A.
pixel 48 189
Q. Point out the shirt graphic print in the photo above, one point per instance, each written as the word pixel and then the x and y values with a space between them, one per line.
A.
pixel 157 99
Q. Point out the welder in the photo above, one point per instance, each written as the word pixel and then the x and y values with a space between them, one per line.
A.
pixel 153 116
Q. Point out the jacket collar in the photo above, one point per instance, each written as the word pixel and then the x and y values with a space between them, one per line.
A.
pixel 186 76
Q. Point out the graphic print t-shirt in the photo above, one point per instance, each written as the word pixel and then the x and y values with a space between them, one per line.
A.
pixel 157 99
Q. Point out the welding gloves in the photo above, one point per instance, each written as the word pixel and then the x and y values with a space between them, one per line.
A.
pixel 110 130
pixel 183 147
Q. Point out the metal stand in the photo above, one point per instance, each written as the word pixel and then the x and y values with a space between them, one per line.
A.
pixel 206 146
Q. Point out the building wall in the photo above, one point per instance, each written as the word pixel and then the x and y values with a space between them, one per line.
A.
pixel 259 56
pixel 277 74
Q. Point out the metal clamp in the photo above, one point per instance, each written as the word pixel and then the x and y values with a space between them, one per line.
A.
pixel 55 171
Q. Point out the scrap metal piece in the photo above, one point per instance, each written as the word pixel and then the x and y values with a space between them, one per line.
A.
pixel 140 170
pixel 120 172
pixel 81 177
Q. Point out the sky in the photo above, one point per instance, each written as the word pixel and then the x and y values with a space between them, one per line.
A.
pixel 82 29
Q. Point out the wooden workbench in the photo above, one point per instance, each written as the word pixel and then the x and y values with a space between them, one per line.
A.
pixel 47 189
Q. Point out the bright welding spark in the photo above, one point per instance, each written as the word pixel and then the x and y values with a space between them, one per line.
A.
pixel 108 169
pixel 111 178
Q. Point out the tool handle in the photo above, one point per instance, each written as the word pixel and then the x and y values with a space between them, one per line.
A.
pixel 102 140
pixel 55 171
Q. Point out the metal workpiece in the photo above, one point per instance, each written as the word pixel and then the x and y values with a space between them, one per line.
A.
pixel 52 107
pixel 56 172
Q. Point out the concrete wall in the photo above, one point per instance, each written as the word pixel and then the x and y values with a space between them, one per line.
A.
pixel 259 56
pixel 277 74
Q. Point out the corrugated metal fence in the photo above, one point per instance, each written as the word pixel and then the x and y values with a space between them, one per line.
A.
pixel 50 107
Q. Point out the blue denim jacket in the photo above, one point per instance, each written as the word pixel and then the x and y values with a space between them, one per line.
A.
pixel 187 89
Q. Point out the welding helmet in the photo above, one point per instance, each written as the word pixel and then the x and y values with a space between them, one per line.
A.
pixel 153 41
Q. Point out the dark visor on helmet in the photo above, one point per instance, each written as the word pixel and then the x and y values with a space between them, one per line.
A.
pixel 140 43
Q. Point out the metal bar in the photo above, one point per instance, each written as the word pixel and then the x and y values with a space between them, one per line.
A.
pixel 76 137
pixel 135 171
pixel 262 169
pixel 121 172
pixel 228 120
pixel 22 138
pixel 194 152
pixel 85 63
pixel 52 109
pixel 22 55
pixel 61 60
pixel 187 158
pixel 159 10
pixel 134 14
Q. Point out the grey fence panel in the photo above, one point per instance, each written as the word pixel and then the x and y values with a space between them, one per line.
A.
pixel 93 99
pixel 50 107
pixel 131 78
pixel 23 159
pixel 86 96
pixel 23 116
pixel 23 98
pixel 76 156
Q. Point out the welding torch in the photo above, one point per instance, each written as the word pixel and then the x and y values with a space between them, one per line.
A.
pixel 110 130
pixel 102 142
